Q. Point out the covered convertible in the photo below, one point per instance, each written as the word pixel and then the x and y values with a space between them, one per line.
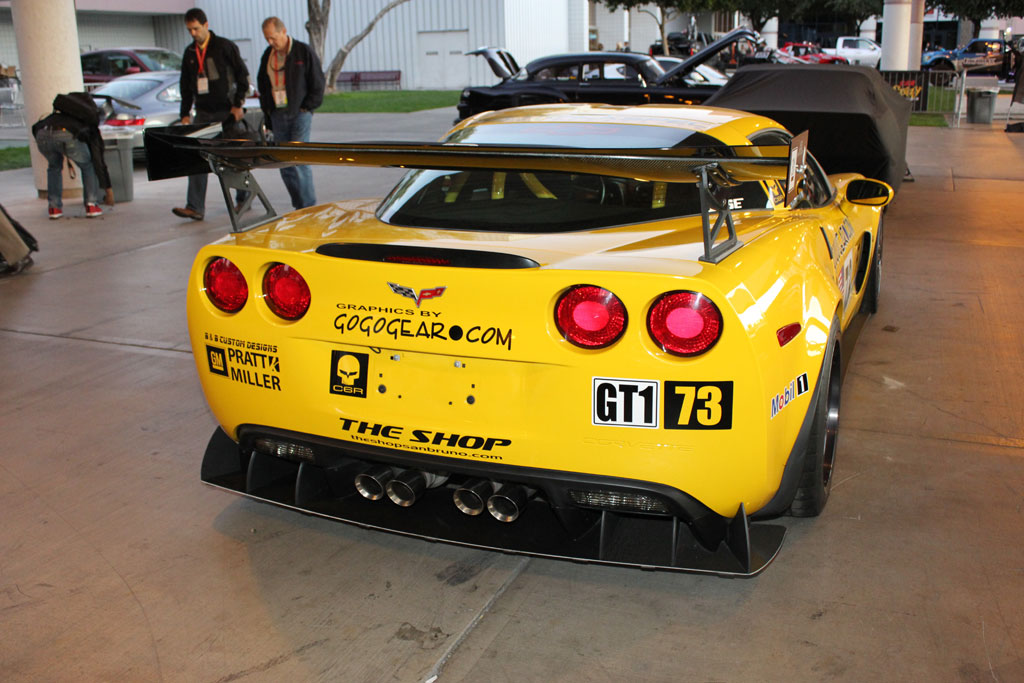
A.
pixel 857 122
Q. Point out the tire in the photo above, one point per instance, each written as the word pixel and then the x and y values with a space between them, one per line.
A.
pixel 869 304
pixel 819 459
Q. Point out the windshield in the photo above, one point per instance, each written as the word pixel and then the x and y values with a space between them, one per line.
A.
pixel 159 60
pixel 128 88
pixel 551 201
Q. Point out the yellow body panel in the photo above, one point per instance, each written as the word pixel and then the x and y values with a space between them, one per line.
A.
pixel 480 372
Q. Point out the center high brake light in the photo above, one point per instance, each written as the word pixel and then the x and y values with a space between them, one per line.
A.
pixel 590 317
pixel 225 285
pixel 286 292
pixel 684 323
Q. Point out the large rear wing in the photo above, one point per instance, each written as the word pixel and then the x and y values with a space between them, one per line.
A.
pixel 171 156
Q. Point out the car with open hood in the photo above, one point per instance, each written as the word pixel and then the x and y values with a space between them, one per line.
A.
pixel 601 333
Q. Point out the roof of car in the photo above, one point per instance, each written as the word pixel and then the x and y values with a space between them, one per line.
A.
pixel 628 57
pixel 728 125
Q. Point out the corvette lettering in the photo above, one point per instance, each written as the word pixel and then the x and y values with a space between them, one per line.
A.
pixel 423 294
pixel 369 325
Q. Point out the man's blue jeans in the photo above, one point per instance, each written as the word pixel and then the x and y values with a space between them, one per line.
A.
pixel 298 179
pixel 54 145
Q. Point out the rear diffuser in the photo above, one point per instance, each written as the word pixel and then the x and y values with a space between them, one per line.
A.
pixel 605 537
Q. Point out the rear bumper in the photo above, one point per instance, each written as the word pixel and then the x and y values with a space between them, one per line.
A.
pixel 318 479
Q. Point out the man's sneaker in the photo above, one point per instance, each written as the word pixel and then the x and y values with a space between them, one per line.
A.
pixel 187 213
pixel 92 210
pixel 55 213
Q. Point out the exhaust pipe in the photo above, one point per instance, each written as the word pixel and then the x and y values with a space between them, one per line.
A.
pixel 371 482
pixel 471 498
pixel 408 485
pixel 508 503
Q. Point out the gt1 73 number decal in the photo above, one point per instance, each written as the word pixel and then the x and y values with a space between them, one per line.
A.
pixel 698 405
pixel 625 402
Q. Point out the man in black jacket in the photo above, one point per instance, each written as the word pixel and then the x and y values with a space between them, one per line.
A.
pixel 216 80
pixel 72 131
pixel 291 85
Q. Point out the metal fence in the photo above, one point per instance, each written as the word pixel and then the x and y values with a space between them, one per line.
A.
pixel 929 91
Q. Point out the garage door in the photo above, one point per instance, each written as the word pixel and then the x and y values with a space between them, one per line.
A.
pixel 442 60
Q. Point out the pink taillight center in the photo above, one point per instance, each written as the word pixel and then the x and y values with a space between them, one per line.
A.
pixel 685 323
pixel 590 315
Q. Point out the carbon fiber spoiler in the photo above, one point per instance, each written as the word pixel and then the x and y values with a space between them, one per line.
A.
pixel 171 156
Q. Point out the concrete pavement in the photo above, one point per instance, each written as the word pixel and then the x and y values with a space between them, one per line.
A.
pixel 116 563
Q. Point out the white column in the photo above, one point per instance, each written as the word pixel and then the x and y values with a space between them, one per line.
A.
pixel 990 28
pixel 869 28
pixel 896 35
pixel 47 35
pixel 916 35
pixel 771 32
pixel 579 26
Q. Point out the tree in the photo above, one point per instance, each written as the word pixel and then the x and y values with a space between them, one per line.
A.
pixel 663 11
pixel 858 11
pixel 319 13
pixel 757 11
pixel 978 11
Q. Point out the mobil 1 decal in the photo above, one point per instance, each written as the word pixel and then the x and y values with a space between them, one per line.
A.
pixel 698 405
pixel 349 371
pixel 625 402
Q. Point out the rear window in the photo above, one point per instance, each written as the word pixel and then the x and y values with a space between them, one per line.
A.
pixel 160 60
pixel 128 89
pixel 551 201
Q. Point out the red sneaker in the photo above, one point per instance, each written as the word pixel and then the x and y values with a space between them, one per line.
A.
pixel 55 213
pixel 93 210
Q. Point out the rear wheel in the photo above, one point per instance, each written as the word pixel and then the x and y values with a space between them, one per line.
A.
pixel 869 304
pixel 819 458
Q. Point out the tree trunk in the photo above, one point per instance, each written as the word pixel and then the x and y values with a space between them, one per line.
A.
pixel 316 26
pixel 339 58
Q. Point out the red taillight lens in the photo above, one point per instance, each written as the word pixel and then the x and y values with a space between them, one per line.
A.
pixel 126 122
pixel 684 323
pixel 590 317
pixel 286 292
pixel 225 285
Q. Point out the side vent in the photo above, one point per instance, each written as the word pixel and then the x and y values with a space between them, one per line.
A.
pixel 426 256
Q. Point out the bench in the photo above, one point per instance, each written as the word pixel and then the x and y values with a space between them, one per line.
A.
pixel 369 80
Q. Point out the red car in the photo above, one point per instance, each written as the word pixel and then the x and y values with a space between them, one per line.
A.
pixel 100 66
pixel 811 53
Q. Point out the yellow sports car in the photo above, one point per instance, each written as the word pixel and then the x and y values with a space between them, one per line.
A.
pixel 599 333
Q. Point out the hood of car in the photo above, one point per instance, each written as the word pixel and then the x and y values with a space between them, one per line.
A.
pixel 710 52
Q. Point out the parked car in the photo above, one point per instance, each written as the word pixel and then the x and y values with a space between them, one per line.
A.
pixel 100 66
pixel 681 44
pixel 158 100
pixel 980 56
pixel 536 343
pixel 702 73
pixel 856 50
pixel 609 77
pixel 811 53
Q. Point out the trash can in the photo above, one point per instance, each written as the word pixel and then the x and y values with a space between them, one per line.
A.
pixel 117 153
pixel 981 104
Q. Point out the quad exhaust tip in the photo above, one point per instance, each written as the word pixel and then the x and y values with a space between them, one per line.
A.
pixel 372 482
pixel 405 488
pixel 471 499
pixel 508 503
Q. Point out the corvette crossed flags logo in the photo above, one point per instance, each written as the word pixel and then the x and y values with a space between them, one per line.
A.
pixel 431 293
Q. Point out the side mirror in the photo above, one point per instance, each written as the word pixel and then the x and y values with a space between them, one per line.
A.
pixel 868 192
pixel 133 70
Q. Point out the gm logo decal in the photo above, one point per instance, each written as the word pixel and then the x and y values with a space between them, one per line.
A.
pixel 423 294
pixel 348 373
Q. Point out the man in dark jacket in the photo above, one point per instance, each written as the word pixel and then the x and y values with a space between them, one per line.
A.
pixel 72 131
pixel 216 80
pixel 291 85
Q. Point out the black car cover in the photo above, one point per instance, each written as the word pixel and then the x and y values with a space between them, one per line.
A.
pixel 857 122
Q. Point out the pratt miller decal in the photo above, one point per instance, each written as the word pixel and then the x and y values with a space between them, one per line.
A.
pixel 348 373
pixel 431 293
pixel 246 367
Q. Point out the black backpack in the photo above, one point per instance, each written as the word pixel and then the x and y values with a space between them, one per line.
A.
pixel 79 106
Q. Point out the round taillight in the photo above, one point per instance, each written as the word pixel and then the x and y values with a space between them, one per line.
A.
pixel 590 317
pixel 225 285
pixel 684 323
pixel 286 292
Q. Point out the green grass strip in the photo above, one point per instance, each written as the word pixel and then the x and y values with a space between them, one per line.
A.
pixel 14 157
pixel 387 101
pixel 926 119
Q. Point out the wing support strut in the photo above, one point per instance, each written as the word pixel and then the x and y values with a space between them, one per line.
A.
pixel 243 181
pixel 714 251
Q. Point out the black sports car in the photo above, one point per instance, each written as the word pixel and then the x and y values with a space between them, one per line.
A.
pixel 610 77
